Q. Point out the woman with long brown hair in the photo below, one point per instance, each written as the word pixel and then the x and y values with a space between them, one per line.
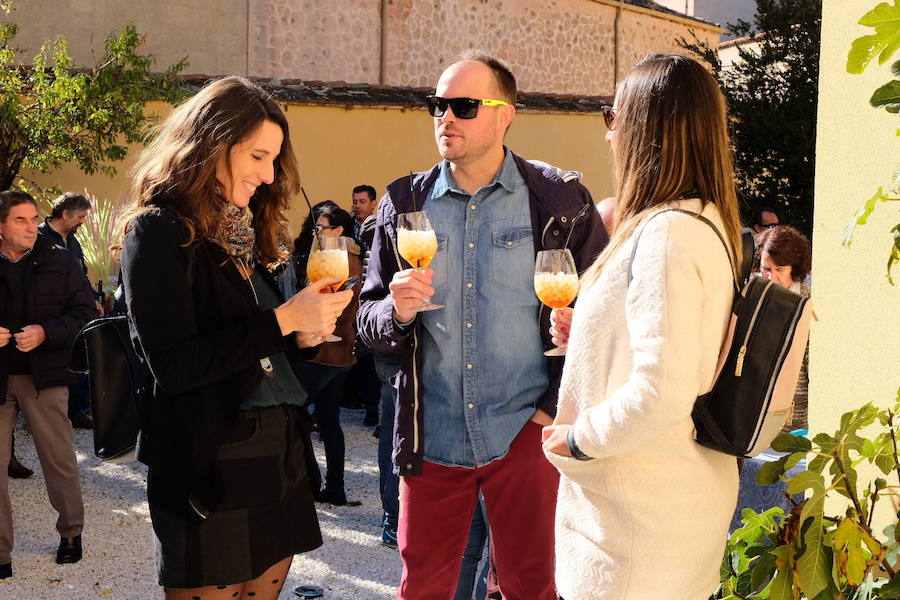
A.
pixel 224 431
pixel 643 510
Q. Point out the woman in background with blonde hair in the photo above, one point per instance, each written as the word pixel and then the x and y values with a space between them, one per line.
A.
pixel 643 510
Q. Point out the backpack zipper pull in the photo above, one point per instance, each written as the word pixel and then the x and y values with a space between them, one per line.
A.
pixel 739 367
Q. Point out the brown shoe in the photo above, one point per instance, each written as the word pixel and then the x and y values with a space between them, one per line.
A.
pixel 17 470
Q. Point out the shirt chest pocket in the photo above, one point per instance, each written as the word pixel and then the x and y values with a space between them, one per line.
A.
pixel 440 263
pixel 512 256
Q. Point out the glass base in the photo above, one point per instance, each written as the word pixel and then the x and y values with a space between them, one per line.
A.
pixel 560 351
pixel 429 306
pixel 333 338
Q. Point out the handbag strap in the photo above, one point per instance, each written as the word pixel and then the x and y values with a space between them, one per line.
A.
pixel 737 287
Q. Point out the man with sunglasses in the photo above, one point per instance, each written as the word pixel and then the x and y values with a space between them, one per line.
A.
pixel 474 388
pixel 764 217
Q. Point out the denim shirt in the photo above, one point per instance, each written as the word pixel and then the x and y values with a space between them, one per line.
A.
pixel 483 368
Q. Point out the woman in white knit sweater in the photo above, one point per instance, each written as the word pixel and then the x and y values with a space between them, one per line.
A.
pixel 643 510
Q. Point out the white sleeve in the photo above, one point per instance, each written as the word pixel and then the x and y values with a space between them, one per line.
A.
pixel 664 309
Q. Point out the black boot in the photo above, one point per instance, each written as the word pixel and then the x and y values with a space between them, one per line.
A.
pixel 69 550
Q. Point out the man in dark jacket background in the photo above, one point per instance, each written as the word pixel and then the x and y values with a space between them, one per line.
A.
pixel 68 213
pixel 474 386
pixel 45 299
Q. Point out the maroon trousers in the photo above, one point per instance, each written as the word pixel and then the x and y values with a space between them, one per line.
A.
pixel 436 512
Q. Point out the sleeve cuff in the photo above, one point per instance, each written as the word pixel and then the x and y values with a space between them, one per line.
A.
pixel 576 452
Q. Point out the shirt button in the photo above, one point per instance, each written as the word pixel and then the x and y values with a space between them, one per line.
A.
pixel 469 325
pixel 409 465
pixel 471 245
pixel 469 285
pixel 472 206
pixel 471 405
pixel 469 365
pixel 556 232
pixel 563 219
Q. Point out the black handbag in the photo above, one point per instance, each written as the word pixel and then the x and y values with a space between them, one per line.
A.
pixel 118 380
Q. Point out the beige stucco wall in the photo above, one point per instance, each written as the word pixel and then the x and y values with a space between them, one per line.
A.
pixel 339 148
pixel 212 34
pixel 855 347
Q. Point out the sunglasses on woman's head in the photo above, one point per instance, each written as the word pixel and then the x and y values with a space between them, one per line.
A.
pixel 463 108
pixel 609 116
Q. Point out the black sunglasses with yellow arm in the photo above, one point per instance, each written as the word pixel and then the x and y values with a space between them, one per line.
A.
pixel 463 108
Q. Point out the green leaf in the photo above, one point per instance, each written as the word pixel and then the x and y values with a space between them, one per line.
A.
pixel 771 472
pixel 885 18
pixel 786 442
pixel 867 449
pixel 781 586
pixel 813 568
pixel 887 97
pixel 763 571
pixel 862 51
pixel 848 551
pixel 890 590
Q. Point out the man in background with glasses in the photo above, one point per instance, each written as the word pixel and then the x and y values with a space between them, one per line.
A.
pixel 474 388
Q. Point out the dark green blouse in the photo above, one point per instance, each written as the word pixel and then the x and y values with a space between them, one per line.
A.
pixel 280 386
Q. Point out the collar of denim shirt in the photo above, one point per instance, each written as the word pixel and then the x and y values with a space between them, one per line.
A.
pixel 506 177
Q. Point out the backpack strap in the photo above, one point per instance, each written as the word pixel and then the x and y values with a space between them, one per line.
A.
pixel 737 287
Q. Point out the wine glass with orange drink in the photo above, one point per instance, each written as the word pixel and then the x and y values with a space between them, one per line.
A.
pixel 555 283
pixel 328 258
pixel 417 244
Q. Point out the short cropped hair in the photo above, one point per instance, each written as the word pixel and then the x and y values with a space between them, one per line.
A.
pixel 367 189
pixel 69 201
pixel 756 217
pixel 10 198
pixel 506 81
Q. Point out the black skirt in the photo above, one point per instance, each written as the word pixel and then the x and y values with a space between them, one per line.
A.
pixel 267 513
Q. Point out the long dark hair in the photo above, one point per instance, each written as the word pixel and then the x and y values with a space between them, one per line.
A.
pixel 177 169
pixel 672 139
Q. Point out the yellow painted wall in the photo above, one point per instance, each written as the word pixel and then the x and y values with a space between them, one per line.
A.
pixel 338 148
pixel 855 348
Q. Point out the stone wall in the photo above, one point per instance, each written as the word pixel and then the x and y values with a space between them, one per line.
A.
pixel 640 34
pixel 561 46
pixel 211 33
pixel 326 40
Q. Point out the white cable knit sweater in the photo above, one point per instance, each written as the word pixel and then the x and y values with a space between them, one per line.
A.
pixel 648 518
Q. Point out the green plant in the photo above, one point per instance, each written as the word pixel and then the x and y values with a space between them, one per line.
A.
pixel 95 235
pixel 51 112
pixel 885 19
pixel 807 553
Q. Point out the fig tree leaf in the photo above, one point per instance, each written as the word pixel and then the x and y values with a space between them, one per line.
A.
pixel 887 97
pixel 786 442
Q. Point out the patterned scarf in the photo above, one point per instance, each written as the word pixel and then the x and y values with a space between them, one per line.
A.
pixel 235 233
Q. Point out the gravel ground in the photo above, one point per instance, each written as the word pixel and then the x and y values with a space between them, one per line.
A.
pixel 118 547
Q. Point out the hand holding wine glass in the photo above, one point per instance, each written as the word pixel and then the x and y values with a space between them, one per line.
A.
pixel 555 283
pixel 328 259
pixel 417 244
